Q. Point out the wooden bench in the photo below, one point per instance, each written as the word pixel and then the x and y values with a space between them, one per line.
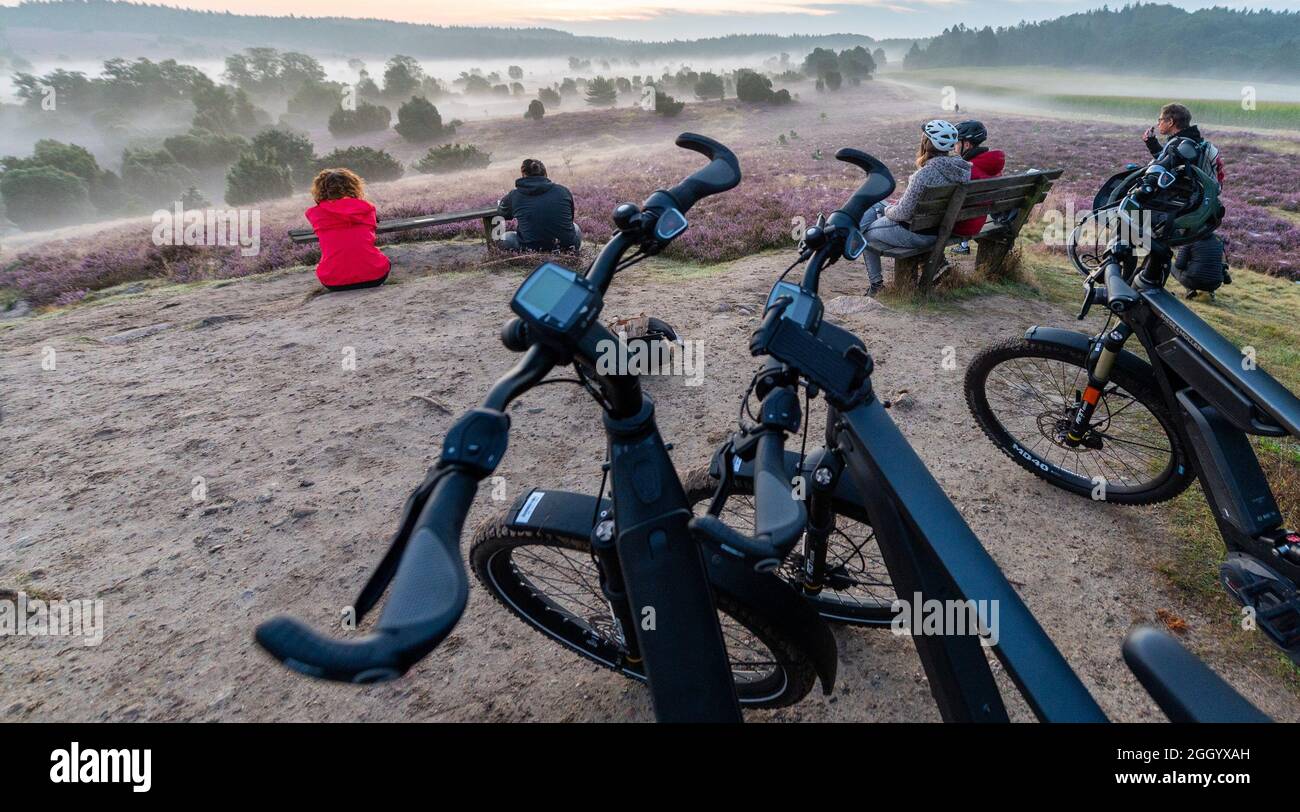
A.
pixel 304 235
pixel 942 207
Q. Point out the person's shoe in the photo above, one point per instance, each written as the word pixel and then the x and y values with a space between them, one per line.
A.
pixel 962 248
pixel 875 288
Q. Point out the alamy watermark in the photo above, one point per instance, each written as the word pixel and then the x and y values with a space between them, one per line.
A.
pixel 938 618
pixel 651 357
pixel 25 616
pixel 209 227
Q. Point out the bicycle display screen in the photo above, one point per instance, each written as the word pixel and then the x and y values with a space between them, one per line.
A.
pixel 804 309
pixel 671 223
pixel 556 299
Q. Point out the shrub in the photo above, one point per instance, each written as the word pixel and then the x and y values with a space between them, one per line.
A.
pixel 710 86
pixel 288 149
pixel 44 197
pixel 252 179
pixel 366 118
pixel 201 149
pixel 418 120
pixel 315 99
pixel 754 87
pixel 666 105
pixel 548 97
pixel 153 178
pixel 602 92
pixel 371 164
pixel 452 157
pixel 515 72
pixel 536 110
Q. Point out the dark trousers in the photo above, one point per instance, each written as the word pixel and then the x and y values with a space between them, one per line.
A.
pixel 373 283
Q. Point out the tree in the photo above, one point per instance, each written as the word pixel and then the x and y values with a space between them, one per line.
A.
pixel 820 62
pixel 755 87
pixel 44 197
pixel 315 99
pixel 710 86
pixel 418 120
pixel 833 80
pixel 366 118
pixel 402 75
pixel 536 110
pixel 252 179
pixel 878 56
pixel 200 149
pixel 602 92
pixel 291 150
pixel 856 63
pixel 153 177
pixel 548 97
pixel 371 164
pixel 515 72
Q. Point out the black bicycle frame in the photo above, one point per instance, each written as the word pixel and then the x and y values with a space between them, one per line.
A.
pixel 1219 397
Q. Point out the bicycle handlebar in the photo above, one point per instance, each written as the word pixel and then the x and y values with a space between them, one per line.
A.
pixel 1120 295
pixel 878 186
pixel 430 589
pixel 721 174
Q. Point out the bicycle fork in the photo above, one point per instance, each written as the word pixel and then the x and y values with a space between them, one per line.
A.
pixel 1101 361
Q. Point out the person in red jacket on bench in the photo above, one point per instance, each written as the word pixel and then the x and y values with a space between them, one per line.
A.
pixel 984 163
pixel 344 222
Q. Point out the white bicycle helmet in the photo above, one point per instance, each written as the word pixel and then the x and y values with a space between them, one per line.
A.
pixel 942 134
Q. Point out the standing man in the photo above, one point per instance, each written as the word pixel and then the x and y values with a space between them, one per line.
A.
pixel 1201 265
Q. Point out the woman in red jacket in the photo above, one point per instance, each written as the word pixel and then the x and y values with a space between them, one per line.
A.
pixel 984 163
pixel 344 222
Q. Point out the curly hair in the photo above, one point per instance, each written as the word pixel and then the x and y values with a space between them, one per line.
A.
pixel 333 184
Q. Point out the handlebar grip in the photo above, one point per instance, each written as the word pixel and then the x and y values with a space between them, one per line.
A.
pixel 1120 295
pixel 779 518
pixel 429 593
pixel 878 186
pixel 721 174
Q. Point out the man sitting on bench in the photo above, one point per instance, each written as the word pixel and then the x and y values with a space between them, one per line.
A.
pixel 542 211
pixel 984 163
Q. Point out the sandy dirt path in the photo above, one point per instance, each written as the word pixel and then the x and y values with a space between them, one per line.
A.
pixel 307 465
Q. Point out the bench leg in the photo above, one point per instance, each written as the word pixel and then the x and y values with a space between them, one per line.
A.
pixel 487 230
pixel 907 272
pixel 989 255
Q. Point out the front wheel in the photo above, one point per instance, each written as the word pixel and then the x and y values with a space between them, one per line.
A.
pixel 552 583
pixel 1023 395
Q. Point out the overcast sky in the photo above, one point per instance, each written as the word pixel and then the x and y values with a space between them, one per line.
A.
pixel 689 19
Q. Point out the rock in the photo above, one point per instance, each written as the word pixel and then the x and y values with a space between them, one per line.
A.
pixel 209 321
pixel 17 310
pixel 848 305
pixel 302 513
pixel 137 333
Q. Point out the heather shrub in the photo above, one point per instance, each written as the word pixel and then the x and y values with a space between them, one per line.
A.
pixel 44 197
pixel 666 105
pixel 418 121
pixel 549 97
pixel 252 179
pixel 452 157
pixel 371 164
pixel 365 118
pixel 710 86
pixel 536 110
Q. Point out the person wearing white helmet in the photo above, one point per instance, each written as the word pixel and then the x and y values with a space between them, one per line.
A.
pixel 886 227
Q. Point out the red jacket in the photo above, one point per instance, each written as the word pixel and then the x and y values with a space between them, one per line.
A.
pixel 987 164
pixel 346 229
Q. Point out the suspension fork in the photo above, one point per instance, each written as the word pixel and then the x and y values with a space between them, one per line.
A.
pixel 823 475
pixel 1101 361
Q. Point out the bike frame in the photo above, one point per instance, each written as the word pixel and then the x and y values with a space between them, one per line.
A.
pixel 1219 398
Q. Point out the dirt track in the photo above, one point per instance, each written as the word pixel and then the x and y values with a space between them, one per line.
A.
pixel 307 465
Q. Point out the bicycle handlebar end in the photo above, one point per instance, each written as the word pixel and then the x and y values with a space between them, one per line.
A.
pixel 1120 295
pixel 721 174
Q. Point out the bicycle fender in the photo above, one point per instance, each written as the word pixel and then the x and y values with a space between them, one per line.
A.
pixel 568 514
pixel 1081 342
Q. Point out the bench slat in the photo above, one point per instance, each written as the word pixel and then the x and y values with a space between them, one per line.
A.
pixel 974 187
pixel 923 222
pixel 972 200
pixel 304 235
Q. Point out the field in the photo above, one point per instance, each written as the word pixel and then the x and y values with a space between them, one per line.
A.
pixel 240 384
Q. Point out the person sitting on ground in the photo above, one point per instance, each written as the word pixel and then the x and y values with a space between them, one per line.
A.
pixel 984 163
pixel 886 227
pixel 542 211
pixel 344 222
